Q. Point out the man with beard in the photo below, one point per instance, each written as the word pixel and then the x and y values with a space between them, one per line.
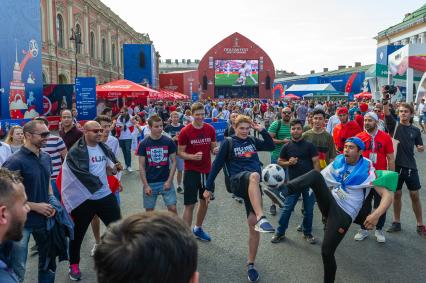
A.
pixel 379 149
pixel 345 129
pixel 13 214
pixel 35 167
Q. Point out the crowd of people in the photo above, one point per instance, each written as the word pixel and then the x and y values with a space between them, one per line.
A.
pixel 54 186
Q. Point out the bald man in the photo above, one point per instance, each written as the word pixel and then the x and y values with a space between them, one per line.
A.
pixel 85 189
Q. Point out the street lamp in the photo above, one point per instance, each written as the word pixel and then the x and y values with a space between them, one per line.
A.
pixel 76 37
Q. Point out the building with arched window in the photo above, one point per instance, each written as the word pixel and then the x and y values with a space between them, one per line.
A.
pixel 103 34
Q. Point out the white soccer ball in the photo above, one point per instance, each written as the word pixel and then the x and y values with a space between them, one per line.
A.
pixel 273 176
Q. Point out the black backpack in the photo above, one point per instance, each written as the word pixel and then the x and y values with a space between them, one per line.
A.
pixel 229 154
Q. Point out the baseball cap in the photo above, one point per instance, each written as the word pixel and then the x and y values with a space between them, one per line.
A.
pixel 342 110
pixel 359 143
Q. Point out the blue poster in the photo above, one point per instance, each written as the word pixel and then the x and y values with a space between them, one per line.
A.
pixel 140 64
pixel 194 97
pixel 220 126
pixel 21 80
pixel 85 98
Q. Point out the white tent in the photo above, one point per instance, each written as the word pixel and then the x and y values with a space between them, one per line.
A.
pixel 310 88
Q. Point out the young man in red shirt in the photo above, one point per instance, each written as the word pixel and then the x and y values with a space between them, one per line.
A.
pixel 346 129
pixel 379 149
pixel 195 144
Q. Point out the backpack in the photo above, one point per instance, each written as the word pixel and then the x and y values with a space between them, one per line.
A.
pixel 228 158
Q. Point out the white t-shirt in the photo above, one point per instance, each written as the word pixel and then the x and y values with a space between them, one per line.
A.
pixel 350 199
pixel 112 142
pixel 124 134
pixel 5 152
pixel 97 166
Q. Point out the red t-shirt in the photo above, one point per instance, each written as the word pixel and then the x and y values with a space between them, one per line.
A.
pixel 360 120
pixel 172 108
pixel 197 140
pixel 344 131
pixel 382 146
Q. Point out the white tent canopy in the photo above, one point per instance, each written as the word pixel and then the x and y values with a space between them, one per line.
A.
pixel 310 87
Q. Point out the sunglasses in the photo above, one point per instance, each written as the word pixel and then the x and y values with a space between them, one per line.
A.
pixel 42 135
pixel 96 131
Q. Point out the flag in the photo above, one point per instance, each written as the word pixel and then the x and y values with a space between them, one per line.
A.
pixel 386 179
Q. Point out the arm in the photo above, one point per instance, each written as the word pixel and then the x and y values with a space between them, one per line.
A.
pixel 315 161
pixel 391 161
pixel 385 203
pixel 267 144
pixel 283 162
pixel 142 173
pixel 184 155
pixel 169 182
pixel 217 165
pixel 214 149
pixel 272 132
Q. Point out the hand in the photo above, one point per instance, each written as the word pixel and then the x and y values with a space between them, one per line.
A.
pixel 216 150
pixel 207 195
pixel 371 221
pixel 118 166
pixel 167 186
pixel 43 209
pixel 147 190
pixel 197 156
pixel 286 140
pixel 420 148
pixel 120 188
pixel 293 160
pixel 257 126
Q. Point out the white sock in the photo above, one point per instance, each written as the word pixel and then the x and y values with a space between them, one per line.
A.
pixel 197 227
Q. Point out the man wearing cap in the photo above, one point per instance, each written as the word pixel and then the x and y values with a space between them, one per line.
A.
pixel 345 129
pixel 379 149
pixel 350 177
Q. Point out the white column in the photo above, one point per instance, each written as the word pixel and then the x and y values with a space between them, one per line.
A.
pixel 70 26
pixel 410 80
pixel 422 37
pixel 109 49
pixel 119 53
pixel 99 42
pixel 50 23
pixel 86 42
pixel 413 39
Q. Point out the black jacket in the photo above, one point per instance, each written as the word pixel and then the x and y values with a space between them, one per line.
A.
pixel 78 161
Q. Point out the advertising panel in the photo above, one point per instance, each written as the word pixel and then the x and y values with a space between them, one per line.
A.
pixel 20 56
pixel 236 72
pixel 140 64
pixel 85 98
pixel 57 98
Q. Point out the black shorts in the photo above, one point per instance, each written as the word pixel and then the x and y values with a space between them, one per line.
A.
pixel 239 186
pixel 408 176
pixel 193 183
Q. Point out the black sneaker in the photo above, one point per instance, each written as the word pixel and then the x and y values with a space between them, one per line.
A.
pixel 212 196
pixel 179 190
pixel 273 210
pixel 277 238
pixel 310 239
pixel 252 274
pixel 421 230
pixel 395 227
pixel 299 228
pixel 276 195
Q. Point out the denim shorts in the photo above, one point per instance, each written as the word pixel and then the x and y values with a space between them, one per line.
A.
pixel 179 163
pixel 169 196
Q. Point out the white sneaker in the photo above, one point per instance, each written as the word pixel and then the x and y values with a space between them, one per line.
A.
pixel 130 169
pixel 361 235
pixel 380 236
pixel 92 252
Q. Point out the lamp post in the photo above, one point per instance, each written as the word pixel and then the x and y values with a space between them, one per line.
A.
pixel 76 37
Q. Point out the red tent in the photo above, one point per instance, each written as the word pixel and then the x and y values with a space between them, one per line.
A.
pixel 363 95
pixel 290 96
pixel 171 95
pixel 123 88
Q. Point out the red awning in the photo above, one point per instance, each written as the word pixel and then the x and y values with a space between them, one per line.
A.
pixel 364 94
pixel 171 95
pixel 290 96
pixel 123 88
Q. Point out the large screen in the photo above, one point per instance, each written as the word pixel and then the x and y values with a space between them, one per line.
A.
pixel 236 72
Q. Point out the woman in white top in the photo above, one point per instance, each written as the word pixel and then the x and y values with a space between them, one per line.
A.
pixel 125 127
pixel 15 138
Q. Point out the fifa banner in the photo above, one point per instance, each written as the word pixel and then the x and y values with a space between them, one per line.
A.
pixel 21 80
pixel 407 65
pixel 220 126
pixel 85 98
pixel 57 98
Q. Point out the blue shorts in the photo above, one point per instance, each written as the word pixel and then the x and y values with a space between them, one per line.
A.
pixel 179 163
pixel 169 196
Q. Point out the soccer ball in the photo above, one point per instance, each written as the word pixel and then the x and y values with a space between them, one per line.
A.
pixel 273 176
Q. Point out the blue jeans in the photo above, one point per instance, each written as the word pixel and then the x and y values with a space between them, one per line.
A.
pixel 126 147
pixel 20 252
pixel 308 215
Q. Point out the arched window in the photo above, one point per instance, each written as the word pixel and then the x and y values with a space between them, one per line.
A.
pixel 92 44
pixel 60 31
pixel 78 31
pixel 113 54
pixel 103 50
pixel 44 78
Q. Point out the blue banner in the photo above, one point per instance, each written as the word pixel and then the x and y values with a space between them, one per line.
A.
pixel 21 80
pixel 85 98
pixel 220 126
pixel 194 97
pixel 140 64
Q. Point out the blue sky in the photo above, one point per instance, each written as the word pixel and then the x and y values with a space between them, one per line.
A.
pixel 299 36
